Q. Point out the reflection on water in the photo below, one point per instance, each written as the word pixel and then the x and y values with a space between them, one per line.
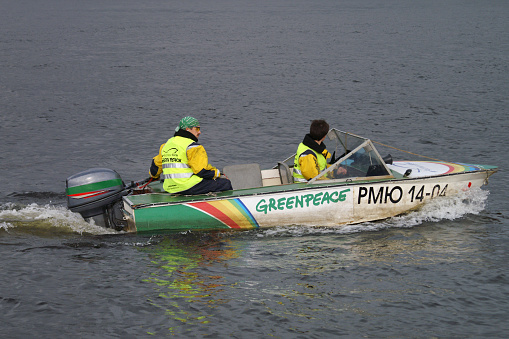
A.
pixel 309 274
pixel 182 273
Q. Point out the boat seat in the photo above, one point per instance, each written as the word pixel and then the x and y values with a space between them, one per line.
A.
pixel 244 176
pixel 285 173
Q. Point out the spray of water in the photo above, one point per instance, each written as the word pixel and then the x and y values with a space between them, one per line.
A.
pixel 34 216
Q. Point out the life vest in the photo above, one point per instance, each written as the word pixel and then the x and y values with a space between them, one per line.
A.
pixel 297 173
pixel 177 174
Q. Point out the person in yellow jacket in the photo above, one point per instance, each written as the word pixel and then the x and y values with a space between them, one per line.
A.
pixel 312 155
pixel 183 163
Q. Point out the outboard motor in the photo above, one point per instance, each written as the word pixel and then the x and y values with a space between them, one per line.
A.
pixel 97 194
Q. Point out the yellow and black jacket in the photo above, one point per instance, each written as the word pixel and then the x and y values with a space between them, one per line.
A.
pixel 183 163
pixel 310 160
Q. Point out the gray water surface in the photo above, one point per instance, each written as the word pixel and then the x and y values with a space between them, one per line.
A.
pixel 103 83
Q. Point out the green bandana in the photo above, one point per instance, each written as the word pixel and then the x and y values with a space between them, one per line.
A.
pixel 187 122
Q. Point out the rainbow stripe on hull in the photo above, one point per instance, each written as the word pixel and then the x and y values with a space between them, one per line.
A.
pixel 201 215
pixel 232 213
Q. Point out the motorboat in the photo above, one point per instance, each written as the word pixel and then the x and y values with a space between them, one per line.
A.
pixel 370 187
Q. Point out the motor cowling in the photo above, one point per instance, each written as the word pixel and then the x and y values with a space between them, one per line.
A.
pixel 93 193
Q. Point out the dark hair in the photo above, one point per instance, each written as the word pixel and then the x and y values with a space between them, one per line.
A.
pixel 318 129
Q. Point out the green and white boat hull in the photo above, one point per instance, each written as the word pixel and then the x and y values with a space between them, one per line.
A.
pixel 319 204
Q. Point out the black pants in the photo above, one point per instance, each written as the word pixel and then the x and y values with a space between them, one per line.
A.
pixel 206 186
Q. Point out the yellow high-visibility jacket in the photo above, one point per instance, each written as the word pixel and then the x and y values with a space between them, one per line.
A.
pixel 309 161
pixel 193 159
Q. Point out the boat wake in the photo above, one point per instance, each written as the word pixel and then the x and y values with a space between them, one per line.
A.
pixel 35 218
pixel 442 208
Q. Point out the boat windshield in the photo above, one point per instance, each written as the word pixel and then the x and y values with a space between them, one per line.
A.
pixel 353 156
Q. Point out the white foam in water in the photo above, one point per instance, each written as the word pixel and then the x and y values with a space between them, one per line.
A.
pixel 448 208
pixel 442 208
pixel 34 215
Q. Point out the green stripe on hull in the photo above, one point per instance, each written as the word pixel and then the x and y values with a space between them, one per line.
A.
pixel 175 217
